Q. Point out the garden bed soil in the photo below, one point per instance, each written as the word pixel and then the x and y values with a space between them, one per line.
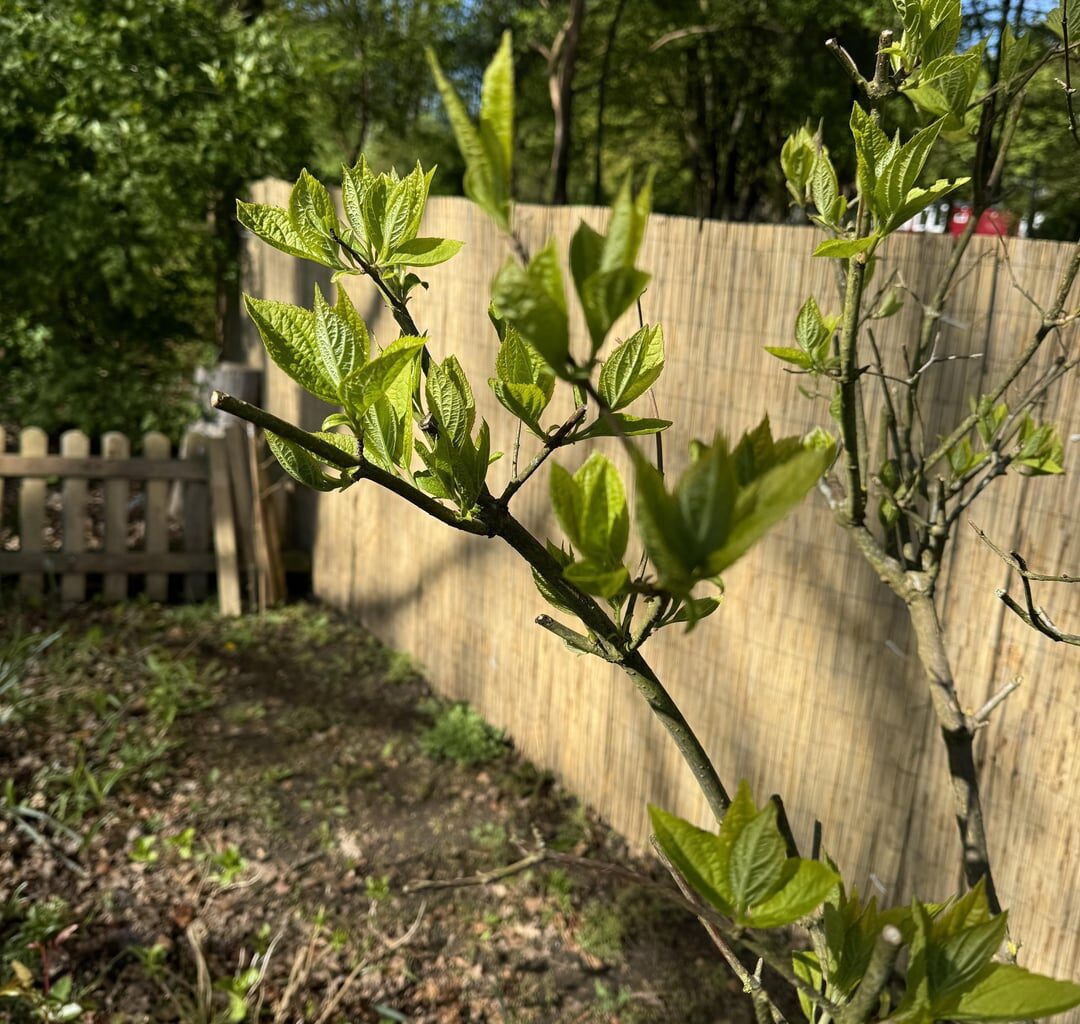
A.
pixel 230 812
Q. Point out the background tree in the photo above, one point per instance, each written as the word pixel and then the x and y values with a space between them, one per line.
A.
pixel 127 127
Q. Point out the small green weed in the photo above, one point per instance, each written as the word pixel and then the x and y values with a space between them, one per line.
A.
pixel 601 932
pixel 460 734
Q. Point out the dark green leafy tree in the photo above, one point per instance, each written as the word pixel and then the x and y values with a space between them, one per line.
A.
pixel 127 127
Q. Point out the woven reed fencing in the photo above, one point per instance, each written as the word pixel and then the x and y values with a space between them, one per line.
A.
pixel 806 680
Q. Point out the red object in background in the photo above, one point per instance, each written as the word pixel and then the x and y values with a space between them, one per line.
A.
pixel 992 222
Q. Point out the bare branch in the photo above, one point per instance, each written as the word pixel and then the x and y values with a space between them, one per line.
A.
pixel 682 33
pixel 555 440
pixel 1010 561
pixel 982 716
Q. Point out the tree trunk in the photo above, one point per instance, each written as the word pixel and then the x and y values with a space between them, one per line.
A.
pixel 561 88
pixel 228 331
pixel 601 103
pixel 958 733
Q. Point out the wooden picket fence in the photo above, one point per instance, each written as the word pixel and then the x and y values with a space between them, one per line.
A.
pixel 226 524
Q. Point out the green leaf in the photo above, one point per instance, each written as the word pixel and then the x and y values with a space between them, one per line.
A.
pixel 1008 992
pixel 591 507
pixel 757 859
pixel 807 968
pixel 659 524
pixel 497 100
pixel 300 464
pixel 341 337
pixel 289 334
pixel 533 300
pixel 525 401
pixel 423 252
pixel 768 498
pixel 805 885
pixel 368 383
pixel 606 295
pixel 597 580
pixel 633 367
pixel 697 854
pixel 355 181
pixel 944 86
pixel 273 226
pixel 602 266
pixel 1055 21
pixel 898 178
pixel 797 162
pixel 694 609
pixel 313 217
pixel 450 400
pixel 795 356
pixel 551 596
pixel 844 248
pixel 630 426
pixel 825 191
pixel 486 181
pixel 955 961
pixel 873 150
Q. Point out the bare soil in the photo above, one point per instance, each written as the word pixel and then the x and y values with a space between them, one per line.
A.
pixel 230 810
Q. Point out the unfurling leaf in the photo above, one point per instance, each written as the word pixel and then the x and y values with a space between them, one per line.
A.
pixel 300 464
pixel 368 383
pixel 606 280
pixel 487 145
pixel 533 300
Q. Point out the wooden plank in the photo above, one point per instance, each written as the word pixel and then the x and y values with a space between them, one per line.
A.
pixel 73 492
pixel 115 446
pixel 32 441
pixel 129 563
pixel 98 468
pixel 267 530
pixel 3 447
pixel 195 511
pixel 243 519
pixel 228 575
pixel 156 446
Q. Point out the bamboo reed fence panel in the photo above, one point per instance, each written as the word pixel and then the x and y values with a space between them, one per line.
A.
pixel 806 680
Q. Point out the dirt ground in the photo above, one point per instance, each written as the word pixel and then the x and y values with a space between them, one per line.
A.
pixel 229 812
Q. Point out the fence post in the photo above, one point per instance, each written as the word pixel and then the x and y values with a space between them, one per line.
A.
pixel 195 511
pixel 74 444
pixel 32 441
pixel 228 577
pixel 115 445
pixel 156 446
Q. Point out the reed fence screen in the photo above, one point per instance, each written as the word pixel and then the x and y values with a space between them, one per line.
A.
pixel 806 680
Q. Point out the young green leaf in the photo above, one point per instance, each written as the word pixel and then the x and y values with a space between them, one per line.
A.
pixel 1007 992
pixel 311 211
pixel 368 383
pixel 341 337
pixel 757 859
pixel 300 464
pixel 487 171
pixel 273 226
pixel 633 367
pixel 423 252
pixel 289 334
pixel 627 426
pixel 696 854
pixel 533 300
